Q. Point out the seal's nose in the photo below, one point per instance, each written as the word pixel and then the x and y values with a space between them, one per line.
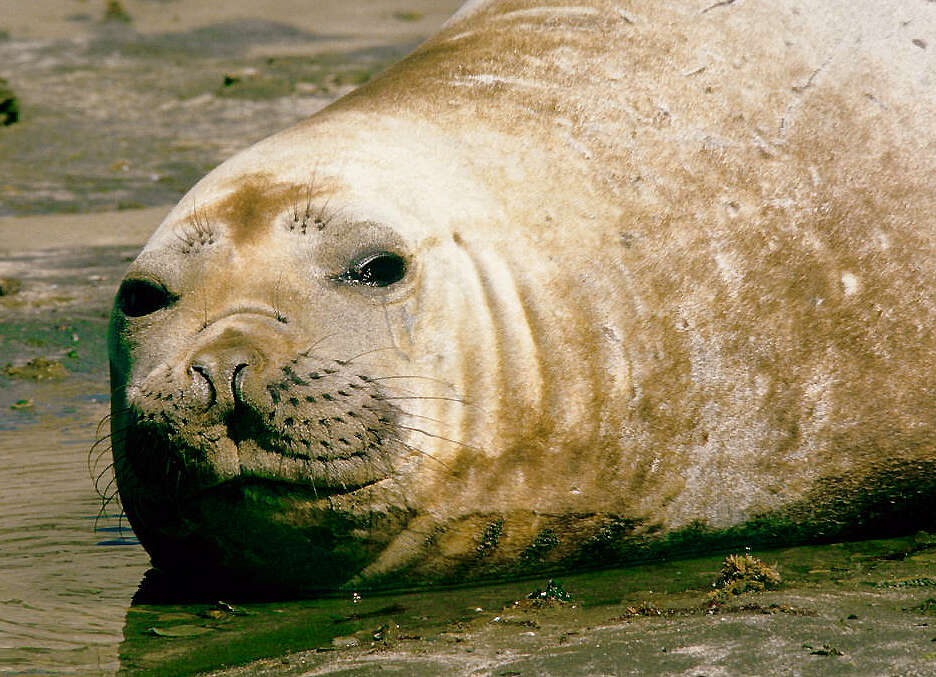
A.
pixel 218 370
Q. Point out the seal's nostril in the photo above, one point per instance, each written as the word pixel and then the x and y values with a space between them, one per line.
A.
pixel 201 371
pixel 237 381
pixel 203 384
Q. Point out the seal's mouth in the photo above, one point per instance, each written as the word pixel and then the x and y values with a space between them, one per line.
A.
pixel 298 438
pixel 183 464
pixel 302 490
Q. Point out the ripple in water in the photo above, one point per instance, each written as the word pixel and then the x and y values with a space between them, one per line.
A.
pixel 66 575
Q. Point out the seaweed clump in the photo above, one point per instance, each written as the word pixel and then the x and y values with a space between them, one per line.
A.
pixel 38 369
pixel 554 594
pixel 744 573
pixel 114 11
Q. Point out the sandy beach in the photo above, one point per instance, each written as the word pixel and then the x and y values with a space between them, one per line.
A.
pixel 125 105
pixel 100 229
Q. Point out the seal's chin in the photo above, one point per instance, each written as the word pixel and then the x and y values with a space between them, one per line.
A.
pixel 252 536
pixel 253 516
pixel 242 538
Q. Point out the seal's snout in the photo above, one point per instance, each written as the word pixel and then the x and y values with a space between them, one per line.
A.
pixel 207 379
pixel 218 369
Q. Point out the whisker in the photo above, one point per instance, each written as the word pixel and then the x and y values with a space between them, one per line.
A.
pixel 366 352
pixel 274 298
pixel 106 419
pixel 106 500
pixel 100 440
pixel 405 413
pixel 305 353
pixel 310 191
pixel 93 459
pixel 438 437
pixel 102 493
pixel 328 217
pixel 411 376
pixel 402 389
pixel 100 476
pixel 424 397
pixel 421 452
pixel 370 363
pixel 324 215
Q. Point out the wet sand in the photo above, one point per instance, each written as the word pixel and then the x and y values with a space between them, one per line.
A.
pixel 382 22
pixel 129 228
pixel 128 112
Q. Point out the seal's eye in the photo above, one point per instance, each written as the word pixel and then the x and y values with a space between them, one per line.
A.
pixel 376 270
pixel 142 297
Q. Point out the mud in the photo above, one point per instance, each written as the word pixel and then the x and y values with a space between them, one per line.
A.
pixel 840 610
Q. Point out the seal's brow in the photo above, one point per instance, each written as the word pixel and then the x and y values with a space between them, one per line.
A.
pixel 249 211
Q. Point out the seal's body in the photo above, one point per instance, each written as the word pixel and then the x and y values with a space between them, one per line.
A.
pixel 570 284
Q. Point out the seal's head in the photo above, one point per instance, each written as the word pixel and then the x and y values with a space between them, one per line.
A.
pixel 254 371
pixel 289 358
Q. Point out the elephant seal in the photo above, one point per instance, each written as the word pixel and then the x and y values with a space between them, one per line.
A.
pixel 571 285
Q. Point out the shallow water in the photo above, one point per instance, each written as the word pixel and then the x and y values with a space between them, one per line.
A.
pixel 63 589
pixel 66 572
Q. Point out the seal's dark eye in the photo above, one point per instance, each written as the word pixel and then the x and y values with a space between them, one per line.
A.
pixel 376 270
pixel 142 297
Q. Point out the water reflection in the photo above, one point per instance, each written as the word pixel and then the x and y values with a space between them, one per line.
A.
pixel 123 535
